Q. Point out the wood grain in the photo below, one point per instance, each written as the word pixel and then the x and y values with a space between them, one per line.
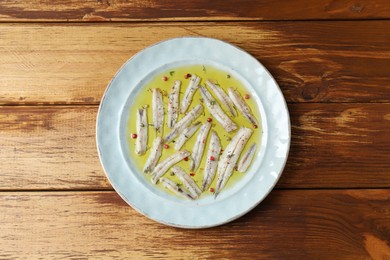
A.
pixel 339 145
pixel 333 145
pixel 49 147
pixel 333 200
pixel 312 61
pixel 347 224
pixel 119 10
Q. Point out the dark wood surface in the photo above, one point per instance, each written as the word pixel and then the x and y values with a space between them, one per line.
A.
pixel 296 224
pixel 325 61
pixel 331 60
pixel 157 10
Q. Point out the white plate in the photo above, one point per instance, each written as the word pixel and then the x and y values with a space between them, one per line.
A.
pixel 156 204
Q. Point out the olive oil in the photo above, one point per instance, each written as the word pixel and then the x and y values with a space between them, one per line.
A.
pixel 165 81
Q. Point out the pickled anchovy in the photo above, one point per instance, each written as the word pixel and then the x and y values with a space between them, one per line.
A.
pixel 246 158
pixel 185 135
pixel 155 155
pixel 197 151
pixel 158 109
pixel 223 97
pixel 216 111
pixel 183 123
pixel 173 104
pixel 230 157
pixel 142 131
pixel 175 188
pixel 212 160
pixel 242 106
pixel 188 182
pixel 189 94
pixel 164 166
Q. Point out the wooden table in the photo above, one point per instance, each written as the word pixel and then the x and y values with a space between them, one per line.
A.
pixel 331 59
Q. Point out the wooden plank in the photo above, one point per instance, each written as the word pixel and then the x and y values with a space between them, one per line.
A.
pixel 346 224
pixel 312 61
pixel 107 10
pixel 339 145
pixel 49 147
pixel 333 145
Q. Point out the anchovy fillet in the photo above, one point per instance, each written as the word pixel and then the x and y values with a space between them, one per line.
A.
pixel 185 135
pixel 163 166
pixel 190 91
pixel 173 104
pixel 197 151
pixel 158 109
pixel 188 182
pixel 154 155
pixel 216 111
pixel 230 157
pixel 142 131
pixel 183 123
pixel 223 97
pixel 242 106
pixel 174 187
pixel 212 160
pixel 246 158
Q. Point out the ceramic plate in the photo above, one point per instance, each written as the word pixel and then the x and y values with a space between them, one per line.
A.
pixel 157 204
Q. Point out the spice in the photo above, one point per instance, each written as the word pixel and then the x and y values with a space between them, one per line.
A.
pixel 255 126
pixel 186 159
pixel 247 96
pixel 192 173
pixel 212 190
pixel 165 78
pixel 134 136
pixel 209 119
pixel 212 158
pixel 166 146
pixel 187 76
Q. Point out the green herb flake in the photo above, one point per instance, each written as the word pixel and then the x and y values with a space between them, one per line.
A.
pixel 172 72
pixel 204 69
pixel 228 76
